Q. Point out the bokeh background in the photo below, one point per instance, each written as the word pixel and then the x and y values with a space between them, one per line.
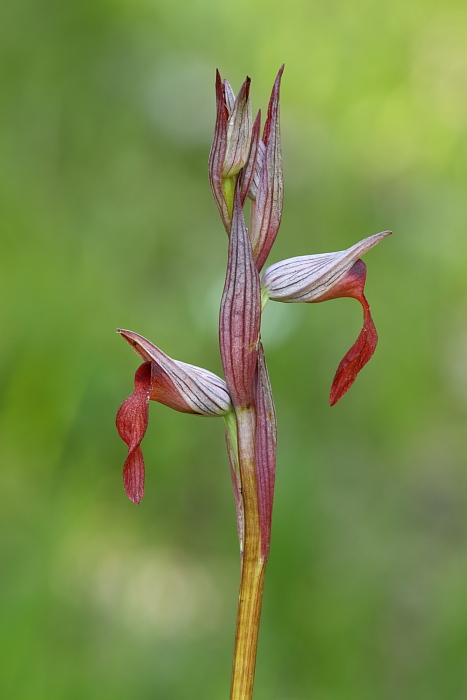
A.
pixel 107 111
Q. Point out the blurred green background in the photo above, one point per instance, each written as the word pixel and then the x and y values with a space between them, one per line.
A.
pixel 107 111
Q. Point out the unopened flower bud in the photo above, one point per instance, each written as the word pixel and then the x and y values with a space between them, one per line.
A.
pixel 238 134
pixel 231 144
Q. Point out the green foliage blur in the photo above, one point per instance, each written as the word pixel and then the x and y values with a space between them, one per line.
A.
pixel 107 111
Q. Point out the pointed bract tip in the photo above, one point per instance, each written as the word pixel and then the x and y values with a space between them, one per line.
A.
pixel 133 340
pixel 383 234
pixel 278 79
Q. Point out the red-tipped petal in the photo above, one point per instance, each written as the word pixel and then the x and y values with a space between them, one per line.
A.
pixel 352 285
pixel 132 421
pixel 240 313
pixel 266 440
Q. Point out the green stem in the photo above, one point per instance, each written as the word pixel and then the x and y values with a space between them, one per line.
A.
pixel 228 184
pixel 253 564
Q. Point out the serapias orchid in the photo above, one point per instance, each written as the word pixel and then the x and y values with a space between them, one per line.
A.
pixel 245 163
pixel 314 278
pixel 184 387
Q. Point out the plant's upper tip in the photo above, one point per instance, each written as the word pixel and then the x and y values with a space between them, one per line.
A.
pixel 246 86
pixel 383 234
pixel 128 336
pixel 377 237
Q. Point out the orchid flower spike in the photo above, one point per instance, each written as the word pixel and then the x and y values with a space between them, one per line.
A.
pixel 314 278
pixel 246 162
pixel 180 386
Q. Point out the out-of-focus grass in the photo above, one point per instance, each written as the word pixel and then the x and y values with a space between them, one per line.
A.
pixel 107 221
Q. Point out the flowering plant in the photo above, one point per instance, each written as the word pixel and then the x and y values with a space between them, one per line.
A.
pixel 245 164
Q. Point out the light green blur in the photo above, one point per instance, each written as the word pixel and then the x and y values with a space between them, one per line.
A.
pixel 107 111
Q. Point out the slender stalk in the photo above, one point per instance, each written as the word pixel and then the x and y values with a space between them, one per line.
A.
pixel 248 618
pixel 253 564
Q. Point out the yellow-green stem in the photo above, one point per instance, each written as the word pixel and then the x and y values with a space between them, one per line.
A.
pixel 253 564
pixel 228 184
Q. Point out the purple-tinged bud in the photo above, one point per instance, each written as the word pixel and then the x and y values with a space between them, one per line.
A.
pixel 240 313
pixel 309 277
pixel 267 190
pixel 231 144
pixel 239 128
pixel 218 151
pixel 180 386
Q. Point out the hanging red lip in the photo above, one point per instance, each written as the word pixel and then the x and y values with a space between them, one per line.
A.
pixel 132 422
pixel 352 285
